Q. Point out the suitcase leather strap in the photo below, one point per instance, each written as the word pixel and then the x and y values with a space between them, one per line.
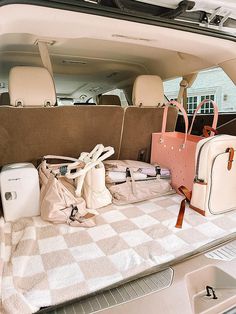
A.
pixel 230 150
pixel 188 194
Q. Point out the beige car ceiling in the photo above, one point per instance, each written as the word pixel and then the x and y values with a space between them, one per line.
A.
pixel 93 54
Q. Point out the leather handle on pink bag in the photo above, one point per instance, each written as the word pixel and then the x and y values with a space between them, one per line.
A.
pixel 207 130
pixel 215 119
pixel 164 120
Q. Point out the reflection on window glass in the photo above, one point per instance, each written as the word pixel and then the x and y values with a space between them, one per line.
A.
pixel 211 84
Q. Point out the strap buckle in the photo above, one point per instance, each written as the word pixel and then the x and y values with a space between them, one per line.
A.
pixel 73 213
pixel 127 173
pixel 63 170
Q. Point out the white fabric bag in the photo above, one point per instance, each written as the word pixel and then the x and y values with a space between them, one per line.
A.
pixel 58 202
pixel 91 181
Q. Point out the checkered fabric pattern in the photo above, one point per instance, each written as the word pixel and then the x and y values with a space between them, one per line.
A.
pixel 46 264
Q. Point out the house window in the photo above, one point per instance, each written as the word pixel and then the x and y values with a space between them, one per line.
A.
pixel 207 107
pixel 212 84
pixel 192 104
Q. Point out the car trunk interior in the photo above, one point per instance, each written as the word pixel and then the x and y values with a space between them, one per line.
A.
pixel 91 55
pixel 88 61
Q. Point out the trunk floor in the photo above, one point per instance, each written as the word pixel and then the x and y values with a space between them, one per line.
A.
pixel 127 292
pixel 45 264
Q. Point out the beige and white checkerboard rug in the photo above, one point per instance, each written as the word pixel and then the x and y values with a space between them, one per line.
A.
pixel 46 264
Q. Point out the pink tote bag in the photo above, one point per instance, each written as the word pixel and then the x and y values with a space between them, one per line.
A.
pixel 176 150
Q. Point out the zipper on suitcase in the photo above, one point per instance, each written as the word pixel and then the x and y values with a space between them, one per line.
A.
pixel 210 191
pixel 196 179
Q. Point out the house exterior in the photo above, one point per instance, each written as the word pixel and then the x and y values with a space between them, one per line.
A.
pixel 211 84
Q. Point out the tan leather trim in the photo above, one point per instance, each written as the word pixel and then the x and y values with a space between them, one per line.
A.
pixel 180 217
pixel 230 150
pixel 198 210
pixel 88 216
pixel 207 131
pixel 188 195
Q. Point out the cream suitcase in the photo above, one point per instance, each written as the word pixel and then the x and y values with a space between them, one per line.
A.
pixel 214 188
pixel 20 191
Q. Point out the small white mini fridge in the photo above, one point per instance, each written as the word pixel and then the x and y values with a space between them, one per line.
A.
pixel 20 191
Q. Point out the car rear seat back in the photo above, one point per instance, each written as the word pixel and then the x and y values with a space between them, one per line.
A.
pixel 144 118
pixel 112 100
pixel 5 99
pixel 26 134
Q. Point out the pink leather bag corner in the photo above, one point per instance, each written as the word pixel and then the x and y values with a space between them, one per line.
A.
pixel 176 150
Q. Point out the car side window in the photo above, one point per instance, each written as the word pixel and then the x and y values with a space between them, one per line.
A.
pixel 211 84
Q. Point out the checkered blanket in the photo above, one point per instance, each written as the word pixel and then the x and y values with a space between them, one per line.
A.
pixel 46 264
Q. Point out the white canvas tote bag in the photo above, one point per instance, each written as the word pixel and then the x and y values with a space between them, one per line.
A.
pixel 91 180
pixel 58 201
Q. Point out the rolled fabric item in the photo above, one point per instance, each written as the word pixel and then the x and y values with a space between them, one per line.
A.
pixel 149 171
pixel 165 172
pixel 136 166
pixel 116 177
pixel 161 171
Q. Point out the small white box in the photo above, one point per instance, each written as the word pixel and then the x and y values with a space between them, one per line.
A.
pixel 20 191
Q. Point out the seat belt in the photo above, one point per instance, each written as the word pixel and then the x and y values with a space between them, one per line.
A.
pixel 182 96
pixel 187 81
pixel 45 57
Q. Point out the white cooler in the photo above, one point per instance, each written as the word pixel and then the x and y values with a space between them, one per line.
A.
pixel 20 191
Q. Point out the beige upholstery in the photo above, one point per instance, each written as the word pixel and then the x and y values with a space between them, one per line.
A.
pixel 31 86
pixel 109 100
pixel 26 134
pixel 148 91
pixel 4 99
pixel 139 124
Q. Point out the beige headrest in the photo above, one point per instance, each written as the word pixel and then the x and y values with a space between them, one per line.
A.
pixel 31 87
pixel 109 100
pixel 148 91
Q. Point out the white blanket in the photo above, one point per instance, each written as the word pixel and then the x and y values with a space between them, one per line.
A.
pixel 46 264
